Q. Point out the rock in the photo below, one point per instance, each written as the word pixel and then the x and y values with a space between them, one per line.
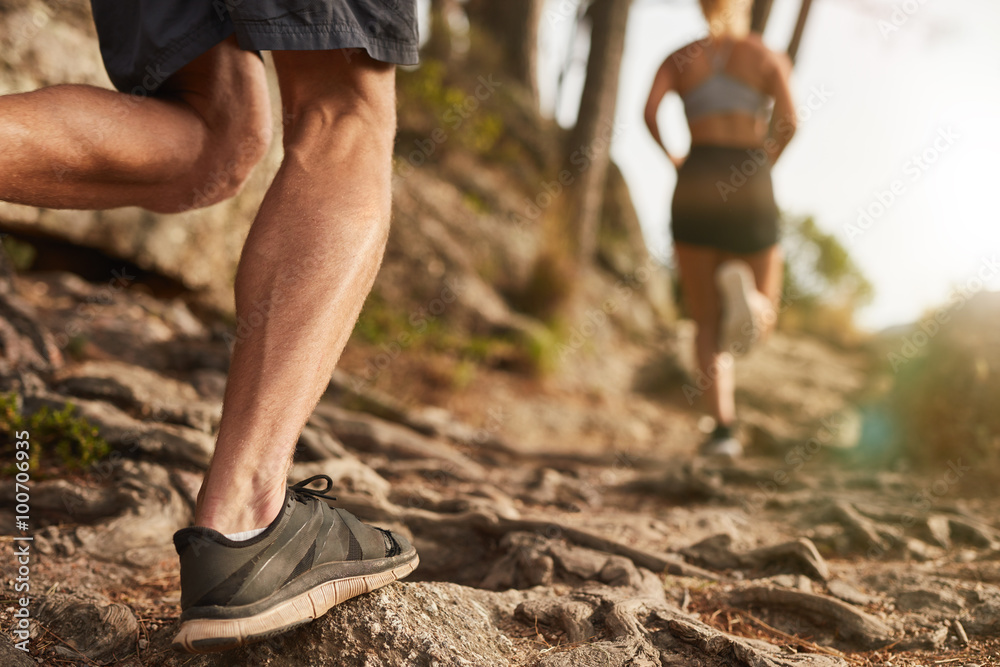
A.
pixel 532 559
pixel 936 530
pixel 370 434
pixel 143 393
pixel 685 483
pixel 353 393
pixel 554 488
pixel 92 630
pixel 348 474
pixel 856 627
pixel 796 581
pixel 715 552
pixel 844 591
pixel 972 532
pixel 11 656
pixel 401 624
pixel 932 603
pixel 151 510
pixel 796 557
pixel 210 383
pixel 317 443
pixel 358 489
pixel 129 436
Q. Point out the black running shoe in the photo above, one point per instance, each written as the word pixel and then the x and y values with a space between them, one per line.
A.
pixel 309 559
pixel 721 444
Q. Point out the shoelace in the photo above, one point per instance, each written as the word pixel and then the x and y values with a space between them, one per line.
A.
pixel 301 488
pixel 392 547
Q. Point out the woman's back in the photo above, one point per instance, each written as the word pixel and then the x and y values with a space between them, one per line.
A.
pixel 725 83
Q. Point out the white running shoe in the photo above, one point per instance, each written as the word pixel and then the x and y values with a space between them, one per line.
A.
pixel 743 308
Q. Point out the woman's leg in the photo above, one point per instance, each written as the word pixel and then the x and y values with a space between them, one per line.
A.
pixel 698 265
pixel 768 267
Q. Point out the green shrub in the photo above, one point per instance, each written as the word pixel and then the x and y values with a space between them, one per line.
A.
pixel 59 437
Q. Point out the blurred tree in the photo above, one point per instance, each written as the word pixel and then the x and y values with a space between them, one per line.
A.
pixel 800 26
pixel 439 44
pixel 589 143
pixel 761 12
pixel 576 192
pixel 513 27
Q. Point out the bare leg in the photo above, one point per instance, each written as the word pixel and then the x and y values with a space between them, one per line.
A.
pixel 308 263
pixel 77 146
pixel 767 269
pixel 698 265
pixel 697 268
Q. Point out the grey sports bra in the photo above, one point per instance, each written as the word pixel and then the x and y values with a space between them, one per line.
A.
pixel 722 93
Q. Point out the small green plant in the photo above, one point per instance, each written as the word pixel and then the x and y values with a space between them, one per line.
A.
pixel 58 436
pixel 21 253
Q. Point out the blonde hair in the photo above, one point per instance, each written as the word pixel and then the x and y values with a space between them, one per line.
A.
pixel 727 17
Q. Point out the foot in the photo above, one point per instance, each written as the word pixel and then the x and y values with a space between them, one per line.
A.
pixel 309 559
pixel 722 443
pixel 743 308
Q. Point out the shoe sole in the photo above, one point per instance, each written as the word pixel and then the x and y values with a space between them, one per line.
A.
pixel 211 635
pixel 722 457
pixel 735 286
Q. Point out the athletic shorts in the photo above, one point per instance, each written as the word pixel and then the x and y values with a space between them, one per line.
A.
pixel 724 200
pixel 145 41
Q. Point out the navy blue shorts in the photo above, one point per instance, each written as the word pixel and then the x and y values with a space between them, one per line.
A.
pixel 145 41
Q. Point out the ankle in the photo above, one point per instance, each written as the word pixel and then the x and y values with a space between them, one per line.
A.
pixel 235 510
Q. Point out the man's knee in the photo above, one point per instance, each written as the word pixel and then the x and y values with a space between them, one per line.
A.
pixel 231 165
pixel 327 127
pixel 222 172
pixel 330 101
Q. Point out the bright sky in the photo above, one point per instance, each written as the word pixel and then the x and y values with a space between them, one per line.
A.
pixel 930 88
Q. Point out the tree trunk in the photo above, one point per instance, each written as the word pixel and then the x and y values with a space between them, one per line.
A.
pixel 800 26
pixel 439 44
pixel 761 12
pixel 588 150
pixel 513 25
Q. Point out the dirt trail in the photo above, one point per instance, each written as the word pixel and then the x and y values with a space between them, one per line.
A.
pixel 560 522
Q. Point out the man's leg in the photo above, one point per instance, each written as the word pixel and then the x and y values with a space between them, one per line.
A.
pixel 308 263
pixel 75 146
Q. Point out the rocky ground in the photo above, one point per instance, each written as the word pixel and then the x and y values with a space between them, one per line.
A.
pixel 560 521
pixel 547 477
